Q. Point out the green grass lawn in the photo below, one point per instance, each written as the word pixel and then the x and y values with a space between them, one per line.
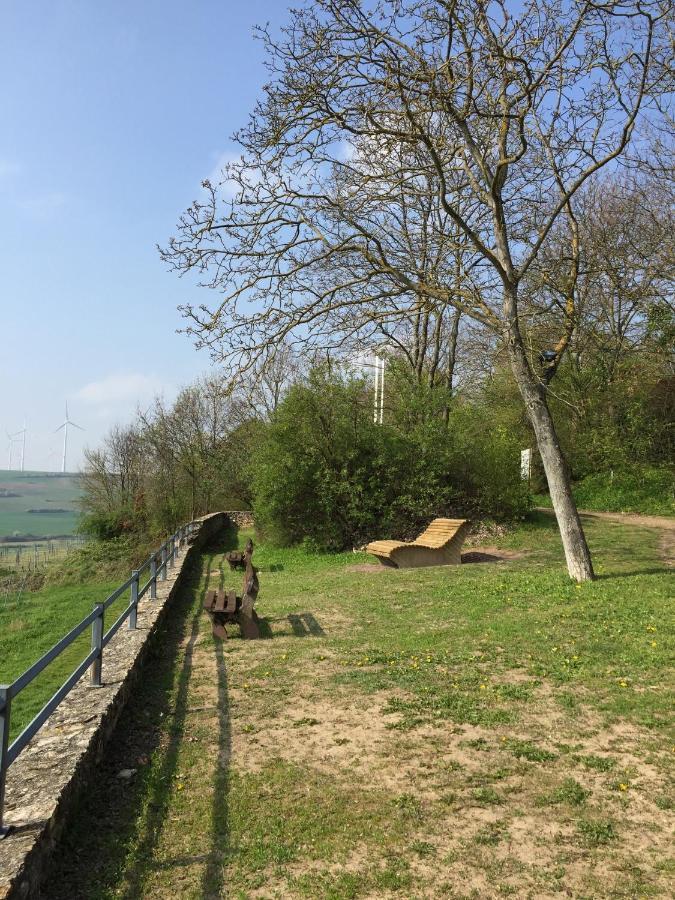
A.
pixel 488 730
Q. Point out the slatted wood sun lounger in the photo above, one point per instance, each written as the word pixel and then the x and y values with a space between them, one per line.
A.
pixel 439 545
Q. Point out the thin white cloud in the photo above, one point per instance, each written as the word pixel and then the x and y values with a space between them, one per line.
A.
pixel 44 206
pixel 219 161
pixel 346 151
pixel 121 392
pixel 8 169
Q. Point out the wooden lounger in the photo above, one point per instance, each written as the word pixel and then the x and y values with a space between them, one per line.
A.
pixel 439 545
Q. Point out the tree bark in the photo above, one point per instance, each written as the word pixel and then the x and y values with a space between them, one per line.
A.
pixel 577 554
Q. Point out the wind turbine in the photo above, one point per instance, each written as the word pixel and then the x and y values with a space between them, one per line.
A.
pixel 21 433
pixel 65 425
pixel 11 438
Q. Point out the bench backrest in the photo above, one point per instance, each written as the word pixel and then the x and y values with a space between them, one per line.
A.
pixel 440 532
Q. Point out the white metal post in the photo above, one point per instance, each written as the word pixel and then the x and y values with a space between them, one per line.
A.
pixel 377 392
pixel 381 390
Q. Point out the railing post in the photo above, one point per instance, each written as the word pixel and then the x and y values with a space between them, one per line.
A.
pixel 5 707
pixel 163 562
pixel 97 644
pixel 153 578
pixel 172 551
pixel 134 601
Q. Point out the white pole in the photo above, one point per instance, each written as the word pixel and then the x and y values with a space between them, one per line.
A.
pixel 65 444
pixel 9 463
pixel 382 391
pixel 23 446
pixel 377 392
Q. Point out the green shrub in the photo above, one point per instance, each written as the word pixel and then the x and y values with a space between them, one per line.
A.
pixel 648 490
pixel 104 526
pixel 325 475
pixel 644 489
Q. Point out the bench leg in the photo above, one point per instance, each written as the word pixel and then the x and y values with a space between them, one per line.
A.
pixel 247 623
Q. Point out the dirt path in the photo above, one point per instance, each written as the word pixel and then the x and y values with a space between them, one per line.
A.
pixel 662 523
pixel 624 518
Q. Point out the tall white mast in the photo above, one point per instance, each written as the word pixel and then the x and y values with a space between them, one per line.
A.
pixel 382 363
pixel 22 432
pixel 65 425
pixel 378 411
pixel 376 408
pixel 65 442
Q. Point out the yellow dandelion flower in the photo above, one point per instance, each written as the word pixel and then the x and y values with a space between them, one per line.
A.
pixel 623 787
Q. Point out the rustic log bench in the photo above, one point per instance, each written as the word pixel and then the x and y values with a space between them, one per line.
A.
pixel 439 545
pixel 237 558
pixel 225 607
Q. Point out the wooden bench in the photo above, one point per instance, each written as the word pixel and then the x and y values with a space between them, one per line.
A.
pixel 237 558
pixel 439 545
pixel 225 607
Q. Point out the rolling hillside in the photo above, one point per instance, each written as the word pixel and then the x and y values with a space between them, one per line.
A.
pixel 38 503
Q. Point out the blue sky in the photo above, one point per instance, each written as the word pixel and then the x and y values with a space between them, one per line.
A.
pixel 111 114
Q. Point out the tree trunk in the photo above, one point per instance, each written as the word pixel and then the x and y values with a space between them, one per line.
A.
pixel 577 554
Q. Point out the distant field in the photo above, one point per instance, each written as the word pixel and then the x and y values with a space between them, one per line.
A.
pixel 34 555
pixel 43 491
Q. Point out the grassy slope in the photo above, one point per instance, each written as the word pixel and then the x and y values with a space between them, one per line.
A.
pixel 484 731
pixel 31 623
pixel 648 491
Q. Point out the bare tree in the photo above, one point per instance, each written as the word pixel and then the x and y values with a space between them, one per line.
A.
pixel 506 116
pixel 114 475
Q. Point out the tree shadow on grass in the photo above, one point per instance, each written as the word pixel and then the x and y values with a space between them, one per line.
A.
pixel 305 625
pixel 117 823
pixel 214 872
pixel 634 573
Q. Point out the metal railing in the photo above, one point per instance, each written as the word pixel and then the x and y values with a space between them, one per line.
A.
pixel 157 565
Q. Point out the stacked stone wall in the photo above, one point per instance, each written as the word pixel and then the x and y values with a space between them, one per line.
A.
pixel 242 518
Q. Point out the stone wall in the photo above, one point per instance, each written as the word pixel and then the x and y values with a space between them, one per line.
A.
pixel 242 518
pixel 56 766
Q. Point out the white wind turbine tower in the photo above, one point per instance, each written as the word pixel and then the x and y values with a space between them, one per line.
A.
pixel 12 440
pixel 65 425
pixel 21 434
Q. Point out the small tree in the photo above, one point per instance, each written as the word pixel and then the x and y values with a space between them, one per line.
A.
pixel 504 116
